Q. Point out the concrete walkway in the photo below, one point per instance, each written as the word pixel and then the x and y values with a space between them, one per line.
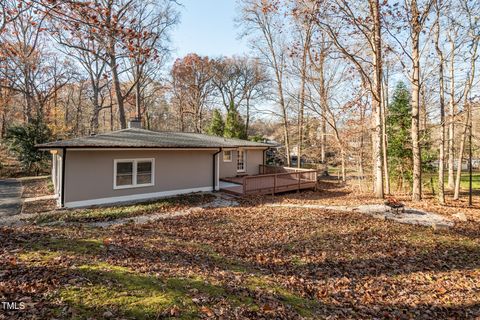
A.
pixel 10 198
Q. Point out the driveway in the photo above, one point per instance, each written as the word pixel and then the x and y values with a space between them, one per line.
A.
pixel 10 197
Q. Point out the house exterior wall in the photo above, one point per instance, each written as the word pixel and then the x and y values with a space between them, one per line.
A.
pixel 89 175
pixel 228 169
pixel 254 159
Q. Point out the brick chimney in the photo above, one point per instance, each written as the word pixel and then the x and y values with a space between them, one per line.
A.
pixel 135 123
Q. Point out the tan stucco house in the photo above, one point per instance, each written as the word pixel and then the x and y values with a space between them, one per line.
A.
pixel 136 164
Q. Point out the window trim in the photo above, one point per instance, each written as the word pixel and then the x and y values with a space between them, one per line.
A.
pixel 134 173
pixel 231 156
pixel 244 152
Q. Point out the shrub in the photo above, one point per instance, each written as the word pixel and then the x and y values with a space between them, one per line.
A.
pixel 21 141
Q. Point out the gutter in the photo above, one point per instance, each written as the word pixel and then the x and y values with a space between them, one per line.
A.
pixel 214 175
pixel 62 196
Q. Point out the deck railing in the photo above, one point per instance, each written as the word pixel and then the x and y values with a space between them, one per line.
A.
pixel 267 169
pixel 273 179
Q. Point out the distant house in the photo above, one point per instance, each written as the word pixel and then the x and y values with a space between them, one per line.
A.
pixel 465 164
pixel 135 164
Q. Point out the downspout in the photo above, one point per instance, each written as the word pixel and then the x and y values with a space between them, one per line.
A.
pixel 62 196
pixel 215 168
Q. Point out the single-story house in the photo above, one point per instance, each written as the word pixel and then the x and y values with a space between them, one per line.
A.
pixel 135 164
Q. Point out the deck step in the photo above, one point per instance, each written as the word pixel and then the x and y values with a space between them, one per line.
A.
pixel 231 192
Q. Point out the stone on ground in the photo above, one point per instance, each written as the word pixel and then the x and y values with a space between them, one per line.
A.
pixel 460 216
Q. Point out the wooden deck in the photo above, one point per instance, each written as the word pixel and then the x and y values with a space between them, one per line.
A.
pixel 281 180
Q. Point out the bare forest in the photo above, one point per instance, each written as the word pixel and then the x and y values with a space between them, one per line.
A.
pixel 377 91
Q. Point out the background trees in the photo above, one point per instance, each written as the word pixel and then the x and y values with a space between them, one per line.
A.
pixel 192 89
pixel 399 139
pixel 317 80
pixel 21 140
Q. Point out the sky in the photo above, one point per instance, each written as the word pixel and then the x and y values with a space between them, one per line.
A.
pixel 207 27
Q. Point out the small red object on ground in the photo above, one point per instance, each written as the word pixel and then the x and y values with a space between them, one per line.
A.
pixel 395 205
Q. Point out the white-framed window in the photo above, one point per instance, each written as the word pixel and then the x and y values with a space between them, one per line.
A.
pixel 241 160
pixel 133 173
pixel 227 156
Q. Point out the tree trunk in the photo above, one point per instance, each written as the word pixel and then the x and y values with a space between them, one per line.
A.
pixel 118 90
pixel 4 122
pixel 111 117
pixel 376 101
pixel 416 151
pixel 279 78
pixel 451 122
pixel 468 106
pixel 138 98
pixel 451 146
pixel 247 119
pixel 441 153
pixel 301 109
pixel 284 118
pixel 96 110
pixel 147 120
pixel 360 159
pixel 458 176
pixel 303 75
pixel 385 139
pixel 323 102
pixel 28 116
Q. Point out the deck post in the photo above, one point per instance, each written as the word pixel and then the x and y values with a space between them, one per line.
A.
pixel 299 180
pixel 244 185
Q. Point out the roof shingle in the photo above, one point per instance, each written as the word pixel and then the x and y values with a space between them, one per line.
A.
pixel 141 138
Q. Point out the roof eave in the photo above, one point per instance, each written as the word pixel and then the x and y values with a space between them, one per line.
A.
pixel 52 147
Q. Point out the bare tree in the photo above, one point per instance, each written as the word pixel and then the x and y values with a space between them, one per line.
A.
pixel 152 22
pixel 115 26
pixel 353 22
pixel 416 17
pixel 417 20
pixel 441 64
pixel 192 89
pixel 319 80
pixel 87 52
pixel 29 67
pixel 227 77
pixel 304 16
pixel 11 10
pixel 255 86
pixel 471 12
pixel 263 19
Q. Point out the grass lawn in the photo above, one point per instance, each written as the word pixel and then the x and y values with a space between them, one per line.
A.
pixel 464 180
pixel 124 211
pixel 246 262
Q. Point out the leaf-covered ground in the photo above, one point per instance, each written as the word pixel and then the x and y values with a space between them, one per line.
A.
pixel 125 210
pixel 247 262
pixel 37 186
pixel 332 192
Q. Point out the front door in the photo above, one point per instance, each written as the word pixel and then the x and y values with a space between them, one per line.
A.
pixel 241 160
